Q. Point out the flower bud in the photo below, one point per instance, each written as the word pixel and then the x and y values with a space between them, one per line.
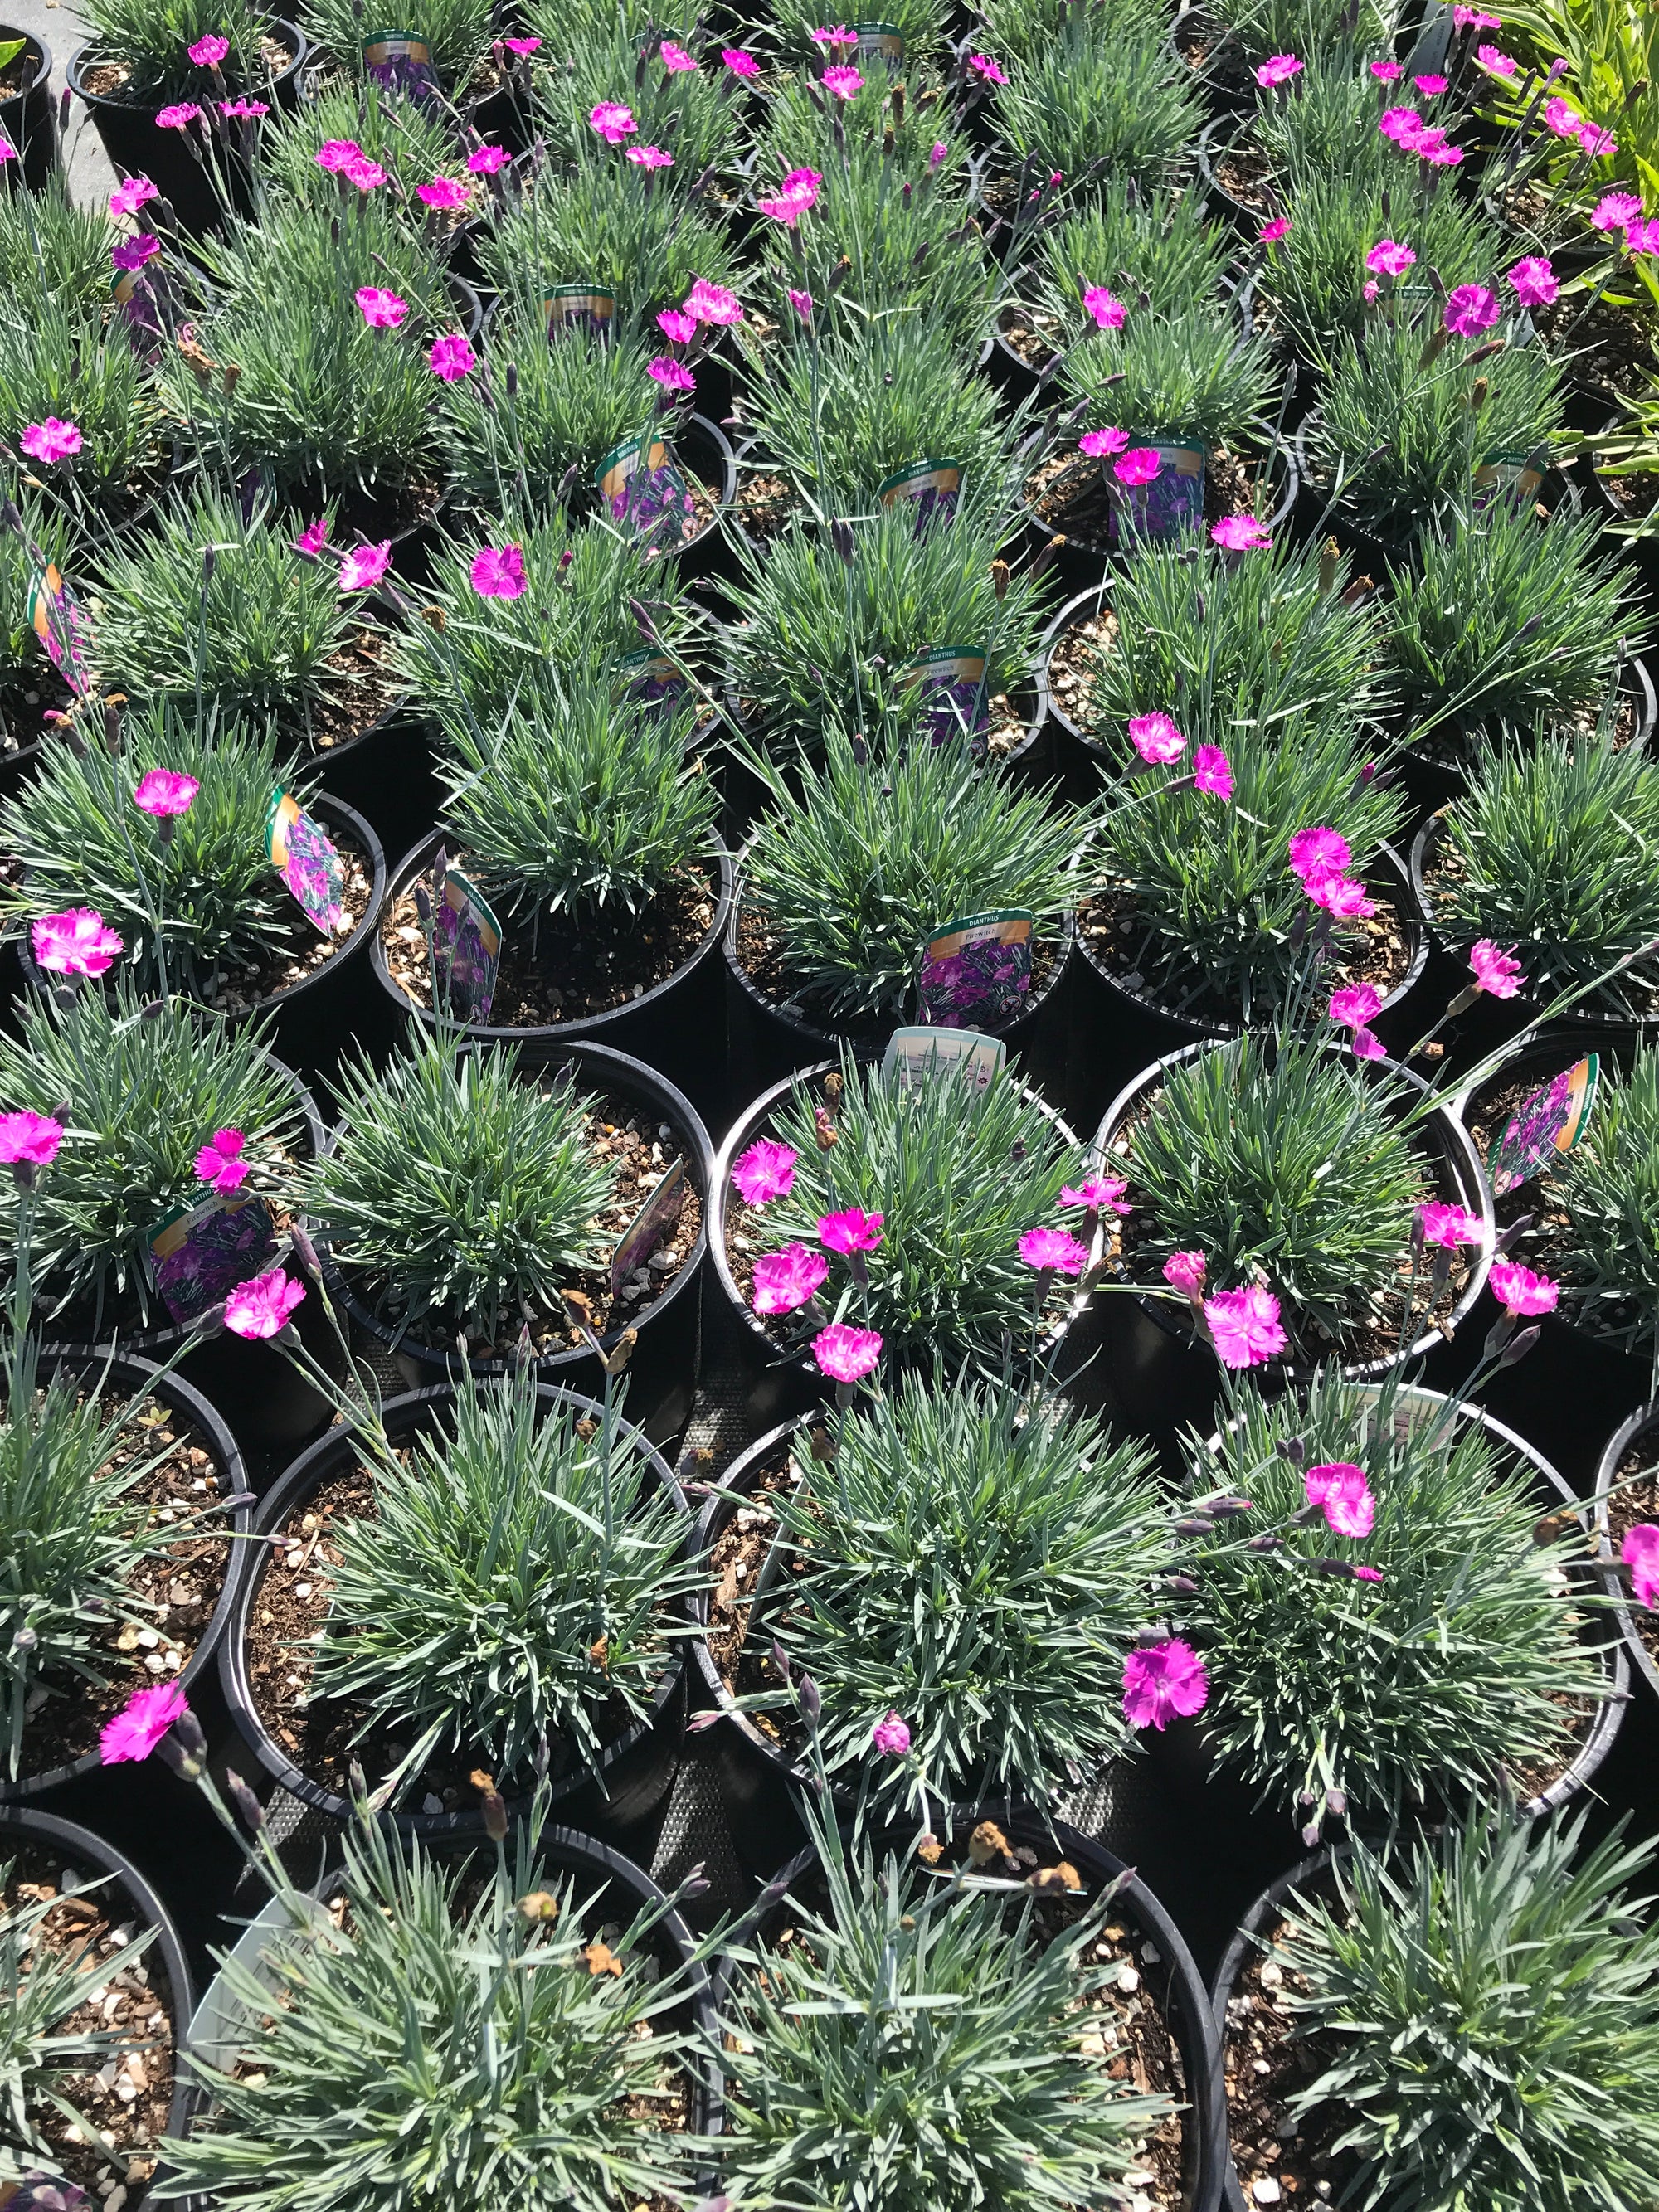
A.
pixel 1519 1347
pixel 1293 1448
pixel 188 1730
pixel 306 1252
pixel 252 1812
pixel 840 536
pixel 493 1805
pixel 811 1705
pixel 540 1906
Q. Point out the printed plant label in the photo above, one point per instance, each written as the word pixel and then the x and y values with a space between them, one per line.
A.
pixel 303 857
pixel 934 485
pixel 1548 1122
pixel 466 945
pixel 1171 507
pixel 141 311
pixel 200 1253
pixel 655 1220
pixel 42 2192
pixel 918 1056
pixel 402 63
pixel 1520 475
pixel 56 616
pixel 579 307
pixel 647 496
pixel 977 970
pixel 652 677
pixel 880 42
pixel 955 696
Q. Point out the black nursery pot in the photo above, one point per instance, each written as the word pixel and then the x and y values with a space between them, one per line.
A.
pixel 384 774
pixel 137 146
pixel 636 1769
pixel 1430 784
pixel 662 1373
pixel 28 119
pixel 1619 1444
pixel 187 1405
pixel 23 1828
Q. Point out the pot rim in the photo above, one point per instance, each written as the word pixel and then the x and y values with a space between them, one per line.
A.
pixel 42 72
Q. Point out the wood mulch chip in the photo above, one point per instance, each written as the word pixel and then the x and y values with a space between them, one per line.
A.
pixel 1068 494
pixel 1033 336
pixel 1071 666
pixel 238 990
pixel 1265 2065
pixel 575 972
pixel 735 1561
pixel 1246 175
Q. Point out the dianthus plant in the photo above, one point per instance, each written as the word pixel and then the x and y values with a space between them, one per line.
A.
pixel 1320 276
pixel 1185 375
pixel 1117 101
pixel 689 112
pixel 1128 241
pixel 1607 1186
pixel 455 32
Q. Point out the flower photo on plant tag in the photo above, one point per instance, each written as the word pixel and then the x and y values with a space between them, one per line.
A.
pixel 1162 506
pixel 934 485
pixel 579 307
pixel 402 63
pixel 1518 474
pixel 647 496
pixel 466 947
pixel 954 693
pixel 303 857
pixel 56 616
pixel 1548 1122
pixel 655 1221
pixel 917 1057
pixel 199 1252
pixel 977 968
pixel 880 42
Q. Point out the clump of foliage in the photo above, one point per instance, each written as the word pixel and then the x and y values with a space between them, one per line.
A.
pixel 59 359
pixel 1315 275
pixel 49 247
pixel 615 228
pixel 412 140
pixel 1184 375
pixel 151 37
pixel 456 34
pixel 1120 105
pixel 1133 241
pixel 1607 1186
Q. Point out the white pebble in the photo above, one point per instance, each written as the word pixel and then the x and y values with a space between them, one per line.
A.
pixel 1266 2190
pixel 149 1638
pixel 302 1589
pixel 432 1802
pixel 156 1663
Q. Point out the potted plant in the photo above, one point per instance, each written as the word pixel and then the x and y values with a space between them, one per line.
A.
pixel 488 1577
pixel 73 1908
pixel 358 139
pixel 1351 1981
pixel 79 407
pixel 48 243
pixel 1318 122
pixel 434 57
pixel 1114 103
pixel 1626 1511
pixel 637 92
pixel 421 1260
pixel 28 121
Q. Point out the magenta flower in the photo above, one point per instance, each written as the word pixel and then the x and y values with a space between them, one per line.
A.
pixel 1429 86
pixel 1054 1252
pixel 673 375
pixel 984 67
pixel 1356 1007
pixel 261 1308
pixel 135 1731
pixel 1473 19
pixel 364 566
pixel 1097 1193
pixel 75 943
pixel 131 194
pixel 1519 1291
pixel 1533 280
pixel 367 176
pixel 50 441
pixel 1470 309
pixel 497 572
pixel 163 791
pixel 739 63
pixel 1367 1574
pixel 313 539
pixel 939 150
pixel 1403 124
pixel 1107 313
pixel 1367 1046
pixel 1385 72
pixel 1098 443
pixel 1340 1489
pixel 382 310
pixel 843 80
pixel 1318 850
pixel 675 59
pixel 1339 895
pixel 650 157
pixel 891 1737
pixel 1244 1326
pixel 443 193
pixel 1271 233
pixel 765 1171
pixel 522 47
pixel 1184 1270
pixel 1277 68
pixel 1156 739
pixel 1447 1226
pixel 1616 211
pixel 838 36
pixel 1241 533
pixel 1494 59
pixel 220 1163
pixel 1495 970
pixel 179 116
pixel 450 358
pixel 846 1354
pixel 336 155
pixel 786 1280
pixel 1139 466
pixel 711 303
pixel 243 107
pixel 1212 772
pixel 1389 258
pixel 487 160
pixel 28 1138
pixel 1561 119
pixel 132 252
pixel 801 302
pixel 1598 144
pixel 613 121
pixel 1368 290
pixel 208 52
pixel 855 1230
pixel 1640 1554
pixel 679 329
pixel 1161 1681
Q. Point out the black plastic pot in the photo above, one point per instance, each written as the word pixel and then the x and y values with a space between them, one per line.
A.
pixel 1629 1433
pixel 385 773
pixel 22 1828
pixel 1381 552
pixel 677 1027
pixel 1217 139
pixel 636 1770
pixel 137 146
pixel 28 120
pixel 125 1376
pixel 1180 1995
pixel 662 1374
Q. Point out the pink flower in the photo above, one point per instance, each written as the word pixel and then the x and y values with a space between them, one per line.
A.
pixel 1389 258
pixel 1640 1554
pixel 1643 237
pixel 1447 1226
pixel 672 375
pixel 1533 280
pixel 843 81
pixel 1156 739
pixel 131 253
pixel 1340 1489
pixel 209 51
pixel 1385 72
pixel 739 63
pixel 1355 1006
pixel 1240 533
pixel 1367 1047
pixel 1098 443
pixel 711 303
pixel 1107 313
pixel 50 441
pixel 220 1164
pixel 1277 68
pixel 844 1354
pixel 497 572
pixel 1184 1270
pixel 1518 1290
pixel 32 1139
pixel 382 310
pixel 650 157
pixel 1339 895
pixel 786 1280
pixel 488 161
pixel 1368 290
pixel 1400 124
pixel 983 66
pixel 262 1308
pixel 838 36
pixel 1470 309
pixel 131 194
pixel 364 566
pixel 244 107
pixel 801 302
pixel 765 1171
pixel 337 155
pixel 313 539
pixel 1367 1574
pixel 1212 772
pixel 1054 1252
pixel 522 46
pixel 443 193
pixel 1473 18
pixel 675 59
pixel 890 1737
pixel 1271 233
pixel 74 944
pixel 163 791
pixel 1137 466
pixel 177 118
pixel 1097 1194
pixel 1495 970
pixel 1496 60
pixel 613 121
pixel 451 358
pixel 855 1230
pixel 1429 86
pixel 1561 119
pixel 1616 211
pixel 1161 1681
pixel 940 150
pixel 135 1731
pixel 1244 1326
pixel 1318 850
pixel 1596 142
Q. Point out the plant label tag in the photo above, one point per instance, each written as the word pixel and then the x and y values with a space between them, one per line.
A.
pixel 1520 475
pixel 647 496
pixel 467 946
pixel 199 1252
pixel 42 2192
pixel 652 677
pixel 955 697
pixel 579 308
pixel 56 618
pixel 880 42
pixel 402 63
pixel 915 1057
pixel 1550 1122
pixel 1171 506
pixel 656 1219
pixel 977 970
pixel 934 485
pixel 303 857
pixel 141 311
